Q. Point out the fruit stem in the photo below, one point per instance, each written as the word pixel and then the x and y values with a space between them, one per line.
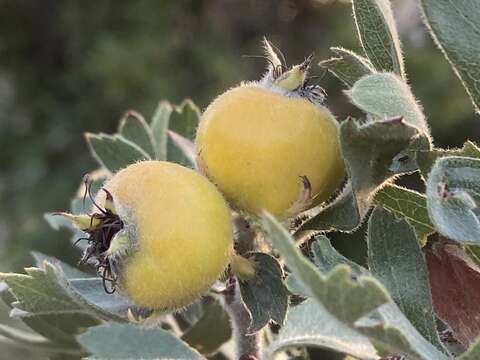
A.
pixel 247 345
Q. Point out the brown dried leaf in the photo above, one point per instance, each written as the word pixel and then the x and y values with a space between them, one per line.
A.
pixel 455 287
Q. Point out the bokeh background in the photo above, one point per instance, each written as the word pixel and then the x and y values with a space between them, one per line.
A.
pixel 67 67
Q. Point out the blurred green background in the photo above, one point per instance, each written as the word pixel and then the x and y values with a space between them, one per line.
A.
pixel 69 66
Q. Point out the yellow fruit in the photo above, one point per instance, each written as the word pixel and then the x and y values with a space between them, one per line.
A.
pixel 179 226
pixel 255 142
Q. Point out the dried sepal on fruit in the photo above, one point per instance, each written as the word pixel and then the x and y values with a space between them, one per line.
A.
pixel 160 233
pixel 271 144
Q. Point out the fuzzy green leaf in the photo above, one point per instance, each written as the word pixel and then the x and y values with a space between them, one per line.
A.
pixel 183 121
pixel 455 28
pixel 135 129
pixel 325 257
pixel 121 341
pixel 114 152
pixel 48 291
pixel 378 34
pixel 410 205
pixel 385 95
pixel 265 296
pixel 87 290
pixel 337 292
pixel 453 196
pixel 211 331
pixel 182 150
pixel 40 292
pixel 362 304
pixel 310 325
pixel 37 342
pixel 342 214
pixel 395 258
pixel 371 152
pixel 390 330
pixel 347 66
pixel 159 127
pixel 426 159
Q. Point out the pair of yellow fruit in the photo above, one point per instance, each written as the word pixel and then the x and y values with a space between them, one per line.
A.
pixel 265 145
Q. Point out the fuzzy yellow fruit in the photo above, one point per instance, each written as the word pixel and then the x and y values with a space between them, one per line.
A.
pixel 255 144
pixel 181 230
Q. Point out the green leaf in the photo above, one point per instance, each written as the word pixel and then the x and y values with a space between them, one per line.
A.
pixel 183 121
pixel 159 127
pixel 86 290
pixel 378 34
pixel 265 296
pixel 395 258
pixel 409 205
pixel 211 331
pixel 114 152
pixel 342 214
pixel 347 66
pixel 182 150
pixel 135 129
pixel 473 353
pixel 371 152
pixel 33 341
pixel 352 301
pixel 426 159
pixel 40 292
pixel 453 195
pixel 455 28
pixel 346 299
pixel 48 291
pixel 385 95
pixel 391 331
pixel 325 257
pixel 310 325
pixel 121 341
pixel 91 295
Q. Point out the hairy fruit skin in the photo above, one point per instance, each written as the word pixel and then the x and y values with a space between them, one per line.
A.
pixel 182 230
pixel 255 143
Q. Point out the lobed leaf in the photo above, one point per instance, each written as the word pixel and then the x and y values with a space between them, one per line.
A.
pixel 135 129
pixel 122 341
pixel 265 296
pixel 371 153
pixel 40 292
pixel 378 34
pixel 455 28
pixel 453 195
pixel 409 205
pixel 311 325
pixel 48 291
pixel 395 258
pixel 362 304
pixel 347 66
pixel 114 152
